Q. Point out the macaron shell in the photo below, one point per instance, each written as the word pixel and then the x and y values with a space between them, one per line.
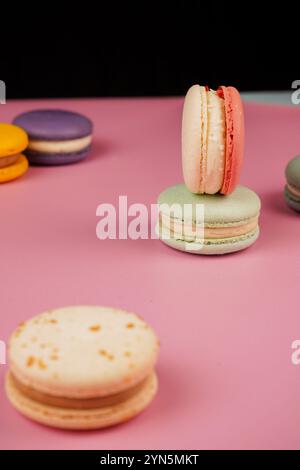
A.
pixel 13 140
pixel 52 159
pixel 82 419
pixel 235 138
pixel 193 153
pixel 83 351
pixel 15 170
pixel 54 124
pixel 240 205
pixel 292 172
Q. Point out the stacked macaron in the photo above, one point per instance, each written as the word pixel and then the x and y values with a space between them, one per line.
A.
pixel 292 187
pixel 56 137
pixel 212 156
pixel 13 141
pixel 82 367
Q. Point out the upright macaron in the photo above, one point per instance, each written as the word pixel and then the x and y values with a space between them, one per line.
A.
pixel 13 141
pixel 292 187
pixel 82 367
pixel 212 139
pixel 56 137
pixel 208 224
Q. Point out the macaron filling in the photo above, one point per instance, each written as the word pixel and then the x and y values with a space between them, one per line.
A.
pixel 215 144
pixel 187 231
pixel 77 403
pixel 7 161
pixel 60 146
pixel 293 190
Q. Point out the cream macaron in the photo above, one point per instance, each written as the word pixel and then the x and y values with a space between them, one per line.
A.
pixel 212 139
pixel 82 367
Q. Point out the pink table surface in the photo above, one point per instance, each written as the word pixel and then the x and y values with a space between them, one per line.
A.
pixel 226 324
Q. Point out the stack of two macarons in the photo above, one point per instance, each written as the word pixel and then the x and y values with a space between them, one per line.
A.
pixel 212 156
pixel 13 141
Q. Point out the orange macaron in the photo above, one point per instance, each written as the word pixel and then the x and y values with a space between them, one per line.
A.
pixel 13 141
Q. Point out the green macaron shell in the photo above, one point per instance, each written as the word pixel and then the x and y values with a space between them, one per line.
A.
pixel 292 172
pixel 238 206
pixel 291 199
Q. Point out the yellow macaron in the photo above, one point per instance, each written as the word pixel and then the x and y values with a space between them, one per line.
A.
pixel 13 140
pixel 15 170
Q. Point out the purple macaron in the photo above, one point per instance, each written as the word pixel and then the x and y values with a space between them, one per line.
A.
pixel 56 137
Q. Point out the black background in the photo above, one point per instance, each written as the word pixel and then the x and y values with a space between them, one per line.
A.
pixel 143 50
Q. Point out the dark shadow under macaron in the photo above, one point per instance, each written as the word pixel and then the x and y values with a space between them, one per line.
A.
pixel 56 137
pixel 292 188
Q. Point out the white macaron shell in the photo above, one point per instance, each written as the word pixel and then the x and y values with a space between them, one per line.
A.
pixel 192 137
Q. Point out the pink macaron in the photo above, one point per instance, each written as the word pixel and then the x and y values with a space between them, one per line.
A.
pixel 212 139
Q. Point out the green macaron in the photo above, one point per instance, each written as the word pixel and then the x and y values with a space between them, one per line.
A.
pixel 208 224
pixel 292 188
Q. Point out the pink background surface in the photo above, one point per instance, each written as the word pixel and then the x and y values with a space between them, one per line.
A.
pixel 226 324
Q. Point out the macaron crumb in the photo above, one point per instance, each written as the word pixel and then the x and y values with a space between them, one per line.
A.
pixel 127 354
pixel 106 354
pixel 42 364
pixel 30 361
pixel 19 329
pixel 130 325
pixel 54 357
pixel 95 328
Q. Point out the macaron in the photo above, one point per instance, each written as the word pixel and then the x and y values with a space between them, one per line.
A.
pixel 292 187
pixel 212 139
pixel 14 170
pixel 56 137
pixel 208 224
pixel 13 141
pixel 82 367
